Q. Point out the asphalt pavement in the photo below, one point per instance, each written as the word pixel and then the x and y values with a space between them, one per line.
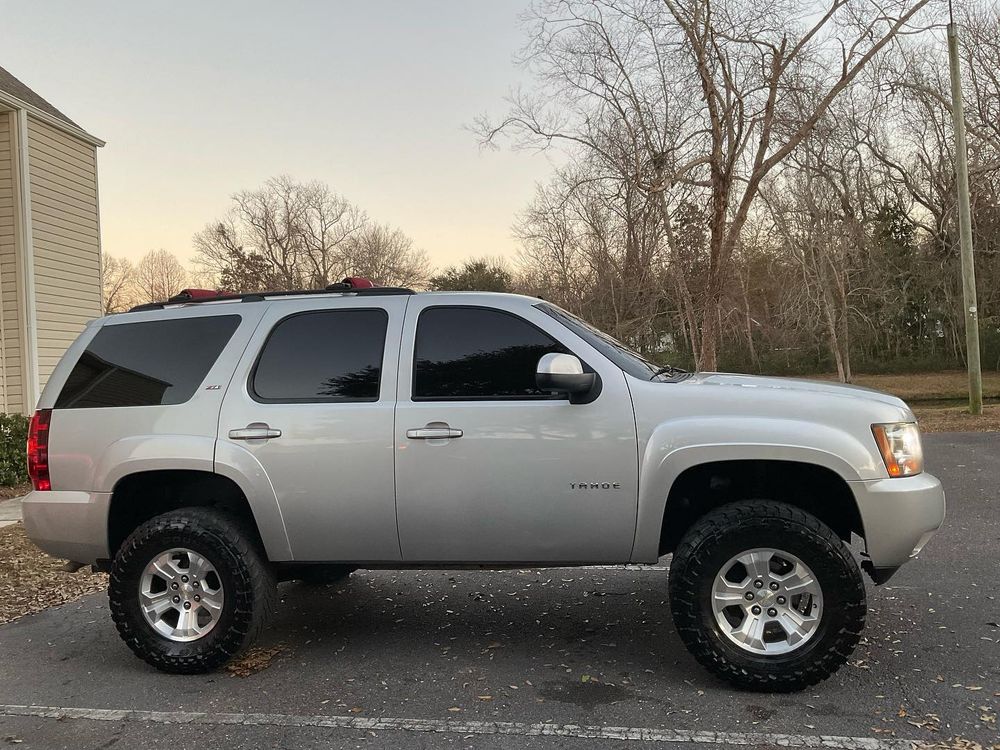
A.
pixel 553 658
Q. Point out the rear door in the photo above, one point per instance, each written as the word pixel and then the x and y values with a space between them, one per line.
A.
pixel 312 401
pixel 522 477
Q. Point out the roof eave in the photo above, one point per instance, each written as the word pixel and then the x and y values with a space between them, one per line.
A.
pixel 73 130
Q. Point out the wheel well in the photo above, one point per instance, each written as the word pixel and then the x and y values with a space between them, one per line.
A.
pixel 139 497
pixel 815 489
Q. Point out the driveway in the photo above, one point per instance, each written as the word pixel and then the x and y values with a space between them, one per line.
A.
pixel 567 658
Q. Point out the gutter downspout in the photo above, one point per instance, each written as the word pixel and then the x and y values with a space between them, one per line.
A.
pixel 31 386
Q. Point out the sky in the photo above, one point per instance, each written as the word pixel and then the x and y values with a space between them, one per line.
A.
pixel 199 100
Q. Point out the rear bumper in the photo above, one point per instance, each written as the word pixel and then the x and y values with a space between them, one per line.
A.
pixel 899 517
pixel 68 525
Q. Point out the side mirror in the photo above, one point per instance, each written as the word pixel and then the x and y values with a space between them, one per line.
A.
pixel 563 373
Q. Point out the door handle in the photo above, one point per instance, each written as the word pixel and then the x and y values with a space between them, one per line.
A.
pixel 433 433
pixel 254 431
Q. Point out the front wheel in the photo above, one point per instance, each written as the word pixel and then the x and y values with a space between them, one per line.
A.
pixel 190 590
pixel 766 596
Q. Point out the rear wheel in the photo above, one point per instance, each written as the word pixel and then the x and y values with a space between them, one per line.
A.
pixel 190 590
pixel 766 596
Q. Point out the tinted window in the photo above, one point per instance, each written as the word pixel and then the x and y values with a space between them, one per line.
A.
pixel 631 362
pixel 476 353
pixel 146 364
pixel 333 355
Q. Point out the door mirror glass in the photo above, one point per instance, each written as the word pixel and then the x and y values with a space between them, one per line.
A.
pixel 564 373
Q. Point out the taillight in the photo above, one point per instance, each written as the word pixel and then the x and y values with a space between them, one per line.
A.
pixel 38 450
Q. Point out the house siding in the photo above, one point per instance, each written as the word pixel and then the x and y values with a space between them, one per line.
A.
pixel 11 391
pixel 66 235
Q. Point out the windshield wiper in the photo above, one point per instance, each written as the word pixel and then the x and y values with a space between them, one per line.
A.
pixel 669 370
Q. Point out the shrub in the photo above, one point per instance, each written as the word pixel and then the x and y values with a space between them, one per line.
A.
pixel 13 437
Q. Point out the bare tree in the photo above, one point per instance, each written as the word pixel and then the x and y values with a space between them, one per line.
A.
pixel 159 276
pixel 694 95
pixel 594 245
pixel 292 235
pixel 328 225
pixel 117 284
pixel 387 256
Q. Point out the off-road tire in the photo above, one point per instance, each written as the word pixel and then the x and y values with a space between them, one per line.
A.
pixel 731 529
pixel 248 581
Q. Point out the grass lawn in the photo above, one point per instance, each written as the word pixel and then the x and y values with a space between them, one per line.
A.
pixel 940 399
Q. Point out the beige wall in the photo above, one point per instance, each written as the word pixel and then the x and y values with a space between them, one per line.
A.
pixel 10 317
pixel 66 237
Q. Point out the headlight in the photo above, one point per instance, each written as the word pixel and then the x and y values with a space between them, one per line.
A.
pixel 899 444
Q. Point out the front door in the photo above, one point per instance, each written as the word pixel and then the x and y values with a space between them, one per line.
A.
pixel 490 469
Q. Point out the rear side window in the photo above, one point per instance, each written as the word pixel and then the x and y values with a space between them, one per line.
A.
pixel 330 355
pixel 146 364
pixel 474 353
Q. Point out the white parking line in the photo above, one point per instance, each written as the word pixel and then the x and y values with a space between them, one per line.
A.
pixel 455 726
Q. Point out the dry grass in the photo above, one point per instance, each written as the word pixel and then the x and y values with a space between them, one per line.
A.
pixel 957 419
pixel 31 581
pixel 927 386
pixel 939 398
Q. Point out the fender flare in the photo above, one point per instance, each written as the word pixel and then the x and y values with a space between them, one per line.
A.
pixel 678 445
pixel 242 467
pixel 138 454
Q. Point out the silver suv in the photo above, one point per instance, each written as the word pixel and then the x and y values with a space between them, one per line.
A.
pixel 203 450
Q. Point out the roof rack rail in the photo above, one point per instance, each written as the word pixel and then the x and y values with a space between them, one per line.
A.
pixel 374 291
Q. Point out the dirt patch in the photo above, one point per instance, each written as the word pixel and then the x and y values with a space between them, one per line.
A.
pixel 17 490
pixel 31 581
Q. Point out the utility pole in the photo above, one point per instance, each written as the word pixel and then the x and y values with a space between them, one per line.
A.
pixel 965 227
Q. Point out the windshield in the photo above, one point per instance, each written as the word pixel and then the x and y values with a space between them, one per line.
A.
pixel 631 362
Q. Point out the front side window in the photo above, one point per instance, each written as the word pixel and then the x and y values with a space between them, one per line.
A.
pixel 628 360
pixel 149 363
pixel 324 356
pixel 475 353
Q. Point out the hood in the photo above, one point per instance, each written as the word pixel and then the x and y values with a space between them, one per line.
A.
pixel 794 385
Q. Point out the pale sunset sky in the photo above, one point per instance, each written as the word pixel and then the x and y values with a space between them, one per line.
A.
pixel 197 100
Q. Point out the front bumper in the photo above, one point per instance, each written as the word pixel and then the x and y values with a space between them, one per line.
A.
pixel 899 517
pixel 68 525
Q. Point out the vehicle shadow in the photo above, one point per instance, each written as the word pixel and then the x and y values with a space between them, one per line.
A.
pixel 612 621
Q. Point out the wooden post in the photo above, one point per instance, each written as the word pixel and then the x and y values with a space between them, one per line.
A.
pixel 965 228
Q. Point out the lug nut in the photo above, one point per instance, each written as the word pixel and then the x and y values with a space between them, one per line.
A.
pixel 755 609
pixel 176 599
pixel 774 586
pixel 781 600
pixel 197 598
pixel 184 578
pixel 748 596
pixel 772 612
pixel 187 605
pixel 758 584
pixel 173 586
pixel 195 584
